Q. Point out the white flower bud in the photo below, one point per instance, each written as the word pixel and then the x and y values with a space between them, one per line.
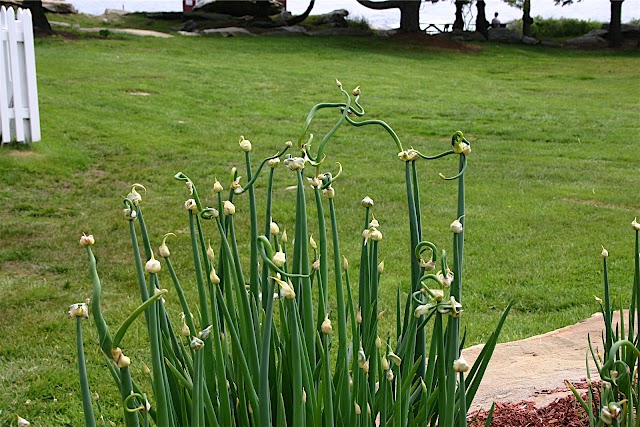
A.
pixel 119 358
pixel 635 224
pixel 460 365
pixel 196 343
pixel 329 193
pixel 381 267
pixel 390 375
pixel 304 395
pixel 245 145
pixel 357 408
pixel 204 334
pixel 214 277
pixel 376 235
pixel 189 187
pixel 284 238
pixel 274 229
pixel 316 264
pixel 210 253
pixel 79 310
pixel 362 358
pixel 279 258
pixel 87 240
pixel 339 83
pixel 134 196
pixel 185 329
pixel 427 265
pixel 294 163
pixel 315 182
pixel 604 253
pixel 367 202
pixel 326 327
pixel 356 91
pixel 312 242
pixel 359 316
pixel 289 144
pixel 345 263
pixel 445 280
pixel 374 222
pixel 129 214
pixel 394 358
pixel 191 205
pixel 378 343
pixel 217 187
pixel 163 250
pixel 229 208
pixel 153 265
pixel 456 226
pixel 273 163
pixel 286 289
pixel 384 363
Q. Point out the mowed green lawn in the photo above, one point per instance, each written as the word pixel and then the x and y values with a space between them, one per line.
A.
pixel 552 176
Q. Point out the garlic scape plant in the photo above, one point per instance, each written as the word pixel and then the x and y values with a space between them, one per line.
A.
pixel 618 393
pixel 263 346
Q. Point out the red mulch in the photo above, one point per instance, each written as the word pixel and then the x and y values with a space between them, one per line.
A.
pixel 565 412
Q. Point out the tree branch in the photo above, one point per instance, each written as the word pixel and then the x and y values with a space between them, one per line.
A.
pixel 379 5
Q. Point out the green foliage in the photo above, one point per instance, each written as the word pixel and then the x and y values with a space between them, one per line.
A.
pixel 550 28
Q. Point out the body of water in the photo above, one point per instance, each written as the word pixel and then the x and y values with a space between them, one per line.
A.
pixel 441 12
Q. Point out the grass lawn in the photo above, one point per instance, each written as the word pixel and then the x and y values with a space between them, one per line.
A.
pixel 552 176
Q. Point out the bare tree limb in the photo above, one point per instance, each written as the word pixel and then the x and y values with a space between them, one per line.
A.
pixel 379 5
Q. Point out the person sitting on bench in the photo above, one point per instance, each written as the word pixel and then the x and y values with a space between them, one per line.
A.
pixel 495 22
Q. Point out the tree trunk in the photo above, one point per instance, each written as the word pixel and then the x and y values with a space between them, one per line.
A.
pixel 459 22
pixel 615 26
pixel 40 21
pixel 410 16
pixel 482 25
pixel 526 18
pixel 409 12
pixel 297 19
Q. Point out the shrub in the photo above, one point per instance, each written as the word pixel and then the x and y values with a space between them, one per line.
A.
pixel 550 28
pixel 255 349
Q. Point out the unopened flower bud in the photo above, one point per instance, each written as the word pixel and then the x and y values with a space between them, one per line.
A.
pixel 460 365
pixel 210 253
pixel 217 187
pixel 119 358
pixel 329 192
pixel 304 395
pixel 189 187
pixel 635 224
pixel 236 187
pixel 374 222
pixel 345 263
pixel 359 316
pixel 312 242
pixel 339 83
pixel 129 214
pixel 326 327
pixel 146 369
pixel 214 277
pixel 361 357
pixel 204 334
pixel 191 205
pixel 357 408
pixel 196 343
pixel 134 196
pixel 273 163
pixel 447 279
pixel 390 375
pixel 604 253
pixel 294 163
pixel 185 329
pixel 229 208
pixel 316 264
pixel 315 182
pixel 376 235
pixel 153 265
pixel 356 91
pixel 427 265
pixel 381 267
pixel 279 258
pixel 79 310
pixel 384 363
pixel 274 229
pixel 87 240
pixel 289 144
pixel 378 343
pixel 394 358
pixel 22 422
pixel 245 145
pixel 456 226
pixel 367 202
pixel 286 289
pixel 284 238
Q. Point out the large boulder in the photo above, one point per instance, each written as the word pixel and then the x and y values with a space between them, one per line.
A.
pixel 58 6
pixel 530 41
pixel 587 42
pixel 258 8
pixel 336 18
pixel 504 35
pixel 228 32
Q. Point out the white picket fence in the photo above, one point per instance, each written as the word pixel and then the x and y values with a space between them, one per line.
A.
pixel 19 114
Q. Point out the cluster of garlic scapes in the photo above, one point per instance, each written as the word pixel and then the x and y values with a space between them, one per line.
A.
pixel 443 278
